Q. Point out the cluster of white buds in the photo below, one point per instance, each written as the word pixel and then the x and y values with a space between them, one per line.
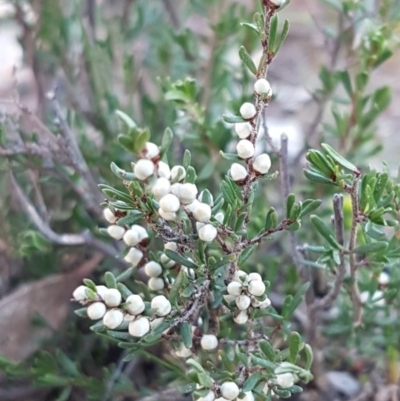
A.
pixel 246 291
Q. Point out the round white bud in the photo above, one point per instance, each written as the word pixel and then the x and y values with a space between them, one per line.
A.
pixel 219 217
pixel 254 276
pixel 79 293
pixel 256 288
pixel 109 215
pixel 187 193
pixel 161 304
pixel 262 87
pixel 183 352
pixel 262 163
pixel 172 246
pixel 96 310
pixel 112 297
pixel 143 169
pixel 241 277
pixel 243 130
pixel 202 212
pixel 383 278
pixel 155 283
pixel 234 288
pixel 151 150
pixel 170 203
pixel 134 304
pixel 131 238
pixel 163 170
pixel 166 261
pixel 207 233
pixel 245 149
pixel 247 110
pixel 229 390
pixel 116 232
pixel 238 172
pixel 153 269
pixel 248 396
pixel 156 322
pixel 178 173
pixel 101 291
pixel 134 256
pixel 285 380
pixel 176 189
pixel 243 302
pixel 209 342
pixel 161 188
pixel 230 298
pixel 139 327
pixel 113 318
pixel 241 317
pixel 141 231
pixel 208 397
pixel 168 216
pixel 203 198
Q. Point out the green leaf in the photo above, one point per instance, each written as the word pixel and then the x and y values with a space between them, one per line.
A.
pixel 325 231
pixel 186 333
pixel 178 258
pixel 294 346
pixel 372 247
pixel 166 141
pixel 339 159
pixel 247 60
pixel 267 350
pixel 309 206
pixel 126 119
pixel 229 118
pixel 110 280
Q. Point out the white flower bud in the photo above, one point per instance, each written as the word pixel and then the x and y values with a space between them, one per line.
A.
pixel 230 298
pixel 153 269
pixel 172 246
pixel 383 278
pixel 166 261
pixel 207 233
pixel 229 390
pixel 161 188
pixel 241 318
pixel 187 193
pixel 255 303
pixel 156 322
pixel 243 130
pixel 256 288
pixel 254 276
pixel 262 87
pixel 209 342
pixel 202 212
pixel 170 203
pixel 162 305
pixel 101 291
pixel 139 327
pixel 262 163
pixel 135 304
pixel 116 232
pixel 219 217
pixel 151 150
pixel 134 256
pixel 243 302
pixel 143 169
pixel 79 293
pixel 141 231
pixel 112 297
pixel 113 318
pixel 247 111
pixel 178 173
pixel 209 397
pixel 163 170
pixel 168 216
pixel 203 198
pixel 176 189
pixel 156 283
pixel 131 238
pixel 248 397
pixel 285 380
pixel 109 215
pixel 234 288
pixel 245 149
pixel 241 277
pixel 183 352
pixel 238 172
pixel 96 310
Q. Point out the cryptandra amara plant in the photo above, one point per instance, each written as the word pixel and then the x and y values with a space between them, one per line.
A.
pixel 198 296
